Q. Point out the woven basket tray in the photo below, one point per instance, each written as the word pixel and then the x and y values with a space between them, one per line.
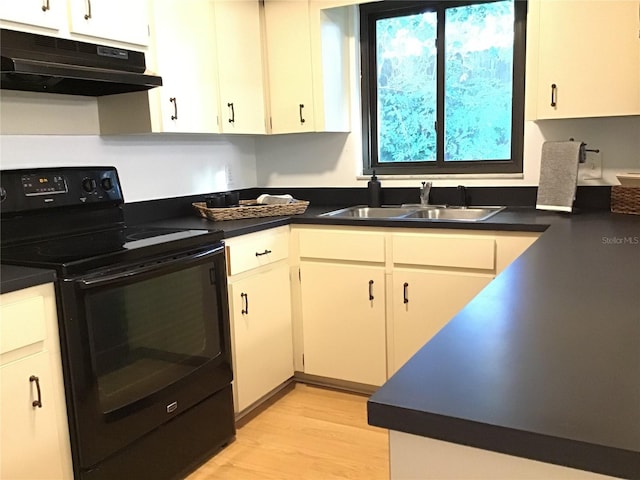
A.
pixel 249 209
pixel 625 199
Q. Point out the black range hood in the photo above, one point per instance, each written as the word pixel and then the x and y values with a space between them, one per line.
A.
pixel 39 63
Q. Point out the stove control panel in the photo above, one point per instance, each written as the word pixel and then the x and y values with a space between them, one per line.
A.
pixel 35 189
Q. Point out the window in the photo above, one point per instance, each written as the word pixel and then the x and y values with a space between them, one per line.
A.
pixel 443 86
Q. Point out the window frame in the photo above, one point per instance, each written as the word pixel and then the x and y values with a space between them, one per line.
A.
pixel 369 14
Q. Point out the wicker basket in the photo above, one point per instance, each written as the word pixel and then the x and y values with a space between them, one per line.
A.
pixel 249 209
pixel 625 199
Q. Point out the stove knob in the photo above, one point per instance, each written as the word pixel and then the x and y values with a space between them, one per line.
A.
pixel 3 194
pixel 88 185
pixel 107 183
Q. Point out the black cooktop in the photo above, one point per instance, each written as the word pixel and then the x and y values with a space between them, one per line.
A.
pixel 81 253
pixel 71 219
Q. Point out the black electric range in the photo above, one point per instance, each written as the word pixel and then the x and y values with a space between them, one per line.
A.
pixel 143 322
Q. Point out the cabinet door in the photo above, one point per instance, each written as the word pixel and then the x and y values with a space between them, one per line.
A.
pixel 289 59
pixel 262 334
pixel 588 50
pixel 423 302
pixel 240 66
pixel 30 442
pixel 184 46
pixel 119 20
pixel 343 328
pixel 39 13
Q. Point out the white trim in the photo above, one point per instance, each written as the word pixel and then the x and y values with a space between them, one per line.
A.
pixel 554 208
pixel 445 176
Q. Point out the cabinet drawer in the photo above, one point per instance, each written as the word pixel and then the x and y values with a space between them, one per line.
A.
pixel 444 251
pixel 22 322
pixel 342 245
pixel 257 249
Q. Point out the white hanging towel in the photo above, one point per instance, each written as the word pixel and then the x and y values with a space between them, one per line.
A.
pixel 558 176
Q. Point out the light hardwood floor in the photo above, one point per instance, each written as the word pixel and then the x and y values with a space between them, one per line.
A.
pixel 310 434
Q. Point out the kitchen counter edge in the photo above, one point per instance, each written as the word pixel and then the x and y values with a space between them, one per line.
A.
pixel 14 278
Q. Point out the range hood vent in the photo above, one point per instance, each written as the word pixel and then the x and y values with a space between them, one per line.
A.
pixel 38 63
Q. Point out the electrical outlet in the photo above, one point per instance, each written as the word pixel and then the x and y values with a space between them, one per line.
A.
pixel 591 169
pixel 228 176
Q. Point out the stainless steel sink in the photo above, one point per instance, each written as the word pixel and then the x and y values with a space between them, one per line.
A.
pixel 360 211
pixel 466 214
pixel 415 212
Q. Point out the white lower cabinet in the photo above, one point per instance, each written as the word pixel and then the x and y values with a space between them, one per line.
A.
pixel 424 302
pixel 29 433
pixel 435 274
pixel 419 280
pixel 34 441
pixel 343 311
pixel 260 309
pixel 262 339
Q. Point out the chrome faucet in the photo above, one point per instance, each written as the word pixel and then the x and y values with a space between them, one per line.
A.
pixel 424 193
pixel 462 192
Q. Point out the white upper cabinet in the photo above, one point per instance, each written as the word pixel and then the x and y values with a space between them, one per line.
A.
pixel 309 65
pixel 184 55
pixel 240 66
pixel 39 13
pixel 119 20
pixel 587 58
pixel 341 3
pixel 288 43
pixel 209 55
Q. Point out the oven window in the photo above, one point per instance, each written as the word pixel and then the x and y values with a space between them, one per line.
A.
pixel 151 333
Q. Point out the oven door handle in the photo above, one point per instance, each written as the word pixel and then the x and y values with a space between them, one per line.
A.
pixel 102 280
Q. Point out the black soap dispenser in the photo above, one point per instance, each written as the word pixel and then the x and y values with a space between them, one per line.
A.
pixel 375 191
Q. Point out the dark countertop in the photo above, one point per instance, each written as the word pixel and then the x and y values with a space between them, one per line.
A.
pixel 511 219
pixel 16 278
pixel 543 364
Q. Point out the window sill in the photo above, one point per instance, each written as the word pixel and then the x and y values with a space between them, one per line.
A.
pixel 445 176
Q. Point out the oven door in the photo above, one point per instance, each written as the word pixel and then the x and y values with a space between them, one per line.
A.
pixel 143 344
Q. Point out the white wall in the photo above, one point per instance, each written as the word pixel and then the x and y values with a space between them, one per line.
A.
pixel 335 159
pixel 150 167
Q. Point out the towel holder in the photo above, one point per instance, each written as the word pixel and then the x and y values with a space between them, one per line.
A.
pixel 584 150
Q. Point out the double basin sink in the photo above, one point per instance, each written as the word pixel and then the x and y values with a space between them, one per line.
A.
pixel 419 212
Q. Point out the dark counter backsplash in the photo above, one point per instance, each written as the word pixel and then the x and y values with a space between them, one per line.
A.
pixel 587 197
